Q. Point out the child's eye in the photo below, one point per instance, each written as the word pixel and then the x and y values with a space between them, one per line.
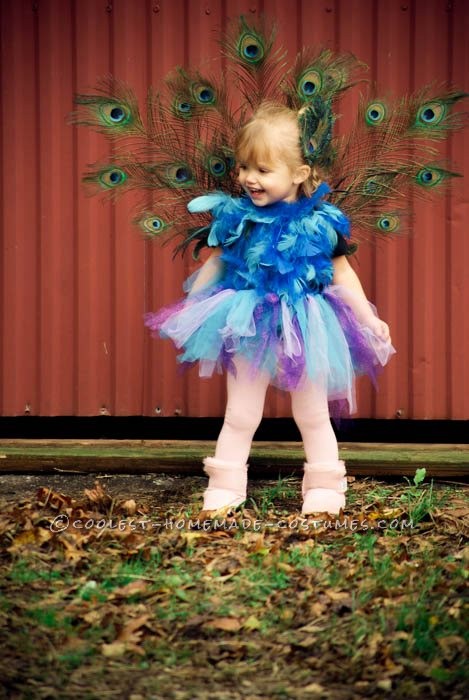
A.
pixel 263 170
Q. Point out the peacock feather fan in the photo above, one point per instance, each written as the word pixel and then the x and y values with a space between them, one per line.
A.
pixel 180 143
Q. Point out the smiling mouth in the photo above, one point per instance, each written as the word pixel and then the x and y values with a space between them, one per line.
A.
pixel 253 190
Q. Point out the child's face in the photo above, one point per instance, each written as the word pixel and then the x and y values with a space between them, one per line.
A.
pixel 267 183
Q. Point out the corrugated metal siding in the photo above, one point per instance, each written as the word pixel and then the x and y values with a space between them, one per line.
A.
pixel 76 277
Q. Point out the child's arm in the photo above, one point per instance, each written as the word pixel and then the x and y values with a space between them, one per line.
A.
pixel 345 276
pixel 210 272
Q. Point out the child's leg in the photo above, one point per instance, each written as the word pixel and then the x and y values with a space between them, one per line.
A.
pixel 228 469
pixel 324 482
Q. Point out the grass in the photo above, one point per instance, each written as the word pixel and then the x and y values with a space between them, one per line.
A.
pixel 151 613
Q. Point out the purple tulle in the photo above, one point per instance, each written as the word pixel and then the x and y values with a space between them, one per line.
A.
pixel 363 356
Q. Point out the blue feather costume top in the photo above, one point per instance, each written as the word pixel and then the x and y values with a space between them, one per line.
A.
pixel 274 304
pixel 284 248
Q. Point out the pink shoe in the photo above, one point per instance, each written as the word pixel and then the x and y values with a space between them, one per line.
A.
pixel 227 484
pixel 324 486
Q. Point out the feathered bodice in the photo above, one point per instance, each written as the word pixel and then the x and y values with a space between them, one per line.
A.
pixel 283 250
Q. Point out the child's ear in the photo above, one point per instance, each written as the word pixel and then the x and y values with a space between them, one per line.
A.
pixel 302 173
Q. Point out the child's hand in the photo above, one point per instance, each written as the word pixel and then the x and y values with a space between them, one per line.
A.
pixel 380 328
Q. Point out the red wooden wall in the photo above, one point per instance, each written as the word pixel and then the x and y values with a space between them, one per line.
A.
pixel 76 277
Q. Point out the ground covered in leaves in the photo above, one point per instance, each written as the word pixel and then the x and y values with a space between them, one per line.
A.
pixel 112 589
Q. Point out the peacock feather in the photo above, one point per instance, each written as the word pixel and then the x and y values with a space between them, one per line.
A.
pixel 256 66
pixel 321 74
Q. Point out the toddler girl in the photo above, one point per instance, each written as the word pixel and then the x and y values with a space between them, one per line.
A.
pixel 277 303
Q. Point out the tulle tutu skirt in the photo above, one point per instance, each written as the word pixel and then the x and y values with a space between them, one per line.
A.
pixel 318 338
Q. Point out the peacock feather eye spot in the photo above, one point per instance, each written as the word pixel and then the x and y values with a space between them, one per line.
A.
pixel 251 49
pixel 152 225
pixel 428 115
pixel 204 94
pixel 184 108
pixel 217 166
pixel 113 177
pixel 429 177
pixel 115 114
pixel 182 175
pixel 309 84
pixel 178 175
pixel 431 114
pixel 388 223
pixel 375 113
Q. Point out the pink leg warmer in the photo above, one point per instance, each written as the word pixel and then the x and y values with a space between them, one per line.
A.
pixel 227 484
pixel 324 486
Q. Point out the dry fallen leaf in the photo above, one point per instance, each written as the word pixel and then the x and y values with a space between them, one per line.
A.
pixel 132 588
pixel 131 631
pixel 252 623
pixel 113 650
pixel 314 688
pixel 227 624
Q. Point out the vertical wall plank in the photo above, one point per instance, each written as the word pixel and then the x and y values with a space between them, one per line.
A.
pixel 457 371
pixel 130 38
pixel 57 345
pixel 20 211
pixel 164 386
pixel 429 283
pixel 92 25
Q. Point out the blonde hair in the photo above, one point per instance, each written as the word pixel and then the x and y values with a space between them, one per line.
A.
pixel 254 142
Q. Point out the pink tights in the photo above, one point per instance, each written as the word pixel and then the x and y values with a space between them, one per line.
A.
pixel 324 481
pixel 245 405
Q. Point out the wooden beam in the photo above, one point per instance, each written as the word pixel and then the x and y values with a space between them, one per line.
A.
pixel 268 459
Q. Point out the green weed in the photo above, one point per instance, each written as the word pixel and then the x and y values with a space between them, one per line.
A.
pixel 419 500
pixel 302 558
pixel 267 498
